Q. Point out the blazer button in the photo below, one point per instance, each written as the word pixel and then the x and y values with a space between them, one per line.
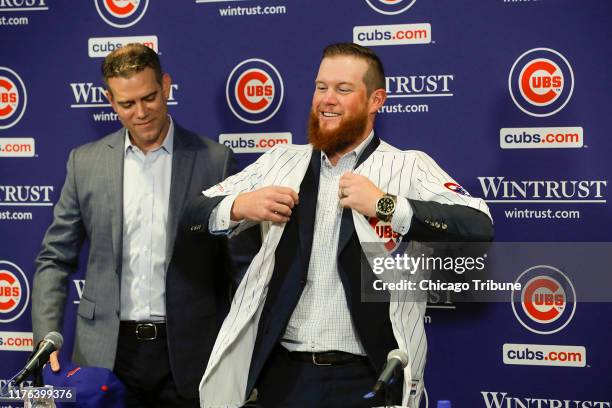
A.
pixel 437 224
pixel 444 226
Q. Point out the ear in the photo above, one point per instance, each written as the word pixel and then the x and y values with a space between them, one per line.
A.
pixel 166 82
pixel 377 100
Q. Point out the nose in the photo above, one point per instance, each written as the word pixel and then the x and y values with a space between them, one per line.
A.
pixel 141 110
pixel 329 97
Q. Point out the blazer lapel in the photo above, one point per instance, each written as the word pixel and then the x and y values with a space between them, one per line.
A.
pixel 182 166
pixel 347 228
pixel 114 189
pixel 308 204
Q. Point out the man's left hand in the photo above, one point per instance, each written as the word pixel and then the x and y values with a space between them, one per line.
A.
pixel 358 193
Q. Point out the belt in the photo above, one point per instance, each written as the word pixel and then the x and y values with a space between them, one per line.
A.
pixel 326 358
pixel 144 331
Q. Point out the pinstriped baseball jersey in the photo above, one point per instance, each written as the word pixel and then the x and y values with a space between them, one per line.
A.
pixel 409 174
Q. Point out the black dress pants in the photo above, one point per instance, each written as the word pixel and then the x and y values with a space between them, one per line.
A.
pixel 286 382
pixel 144 368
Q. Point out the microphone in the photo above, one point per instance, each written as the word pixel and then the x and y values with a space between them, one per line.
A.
pixel 395 359
pixel 52 342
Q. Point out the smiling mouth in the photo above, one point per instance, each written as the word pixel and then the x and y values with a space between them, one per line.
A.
pixel 330 114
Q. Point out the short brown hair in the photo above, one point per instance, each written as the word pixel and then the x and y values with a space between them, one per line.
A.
pixel 129 60
pixel 374 77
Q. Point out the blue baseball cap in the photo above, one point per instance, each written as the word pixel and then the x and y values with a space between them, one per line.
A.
pixel 93 386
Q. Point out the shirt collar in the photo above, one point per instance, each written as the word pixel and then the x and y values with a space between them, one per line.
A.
pixel 358 150
pixel 168 144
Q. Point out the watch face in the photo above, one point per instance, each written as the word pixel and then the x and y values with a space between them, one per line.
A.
pixel 386 205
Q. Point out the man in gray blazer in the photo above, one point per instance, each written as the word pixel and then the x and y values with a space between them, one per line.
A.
pixel 152 298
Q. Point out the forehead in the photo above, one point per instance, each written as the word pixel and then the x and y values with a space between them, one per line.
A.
pixel 342 68
pixel 139 84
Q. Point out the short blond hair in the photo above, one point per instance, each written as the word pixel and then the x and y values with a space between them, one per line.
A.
pixel 129 60
pixel 374 77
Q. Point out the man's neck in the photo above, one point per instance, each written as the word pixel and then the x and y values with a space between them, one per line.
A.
pixel 335 157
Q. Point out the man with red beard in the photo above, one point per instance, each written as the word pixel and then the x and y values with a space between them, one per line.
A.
pixel 298 331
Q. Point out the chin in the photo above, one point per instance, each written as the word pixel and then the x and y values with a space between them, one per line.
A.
pixel 329 127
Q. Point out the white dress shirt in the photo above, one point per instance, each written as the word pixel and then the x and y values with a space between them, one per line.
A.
pixel 146 195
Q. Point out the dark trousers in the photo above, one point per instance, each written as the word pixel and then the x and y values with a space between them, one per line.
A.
pixel 286 382
pixel 144 368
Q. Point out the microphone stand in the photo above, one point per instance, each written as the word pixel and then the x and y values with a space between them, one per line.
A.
pixel 38 378
pixel 388 397
pixel 37 375
pixel 388 390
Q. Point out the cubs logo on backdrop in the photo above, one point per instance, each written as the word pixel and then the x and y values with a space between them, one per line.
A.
pixel 541 82
pixel 254 90
pixel 121 13
pixel 547 300
pixel 13 98
pixel 14 292
pixel 390 7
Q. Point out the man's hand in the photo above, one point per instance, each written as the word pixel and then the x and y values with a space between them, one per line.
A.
pixel 359 193
pixel 53 360
pixel 272 203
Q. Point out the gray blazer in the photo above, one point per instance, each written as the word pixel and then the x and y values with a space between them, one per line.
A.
pixel 91 207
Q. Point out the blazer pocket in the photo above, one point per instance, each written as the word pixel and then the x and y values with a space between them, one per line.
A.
pixel 86 308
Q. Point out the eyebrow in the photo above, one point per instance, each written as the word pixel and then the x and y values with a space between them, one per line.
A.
pixel 338 84
pixel 144 97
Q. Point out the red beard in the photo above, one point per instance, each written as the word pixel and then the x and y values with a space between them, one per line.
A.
pixel 331 142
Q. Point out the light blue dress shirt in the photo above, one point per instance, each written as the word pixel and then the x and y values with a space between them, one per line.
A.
pixel 146 198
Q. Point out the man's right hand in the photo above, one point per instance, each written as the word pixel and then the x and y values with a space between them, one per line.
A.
pixel 54 361
pixel 272 203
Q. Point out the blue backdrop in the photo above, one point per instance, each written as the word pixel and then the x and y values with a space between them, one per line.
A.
pixel 511 97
